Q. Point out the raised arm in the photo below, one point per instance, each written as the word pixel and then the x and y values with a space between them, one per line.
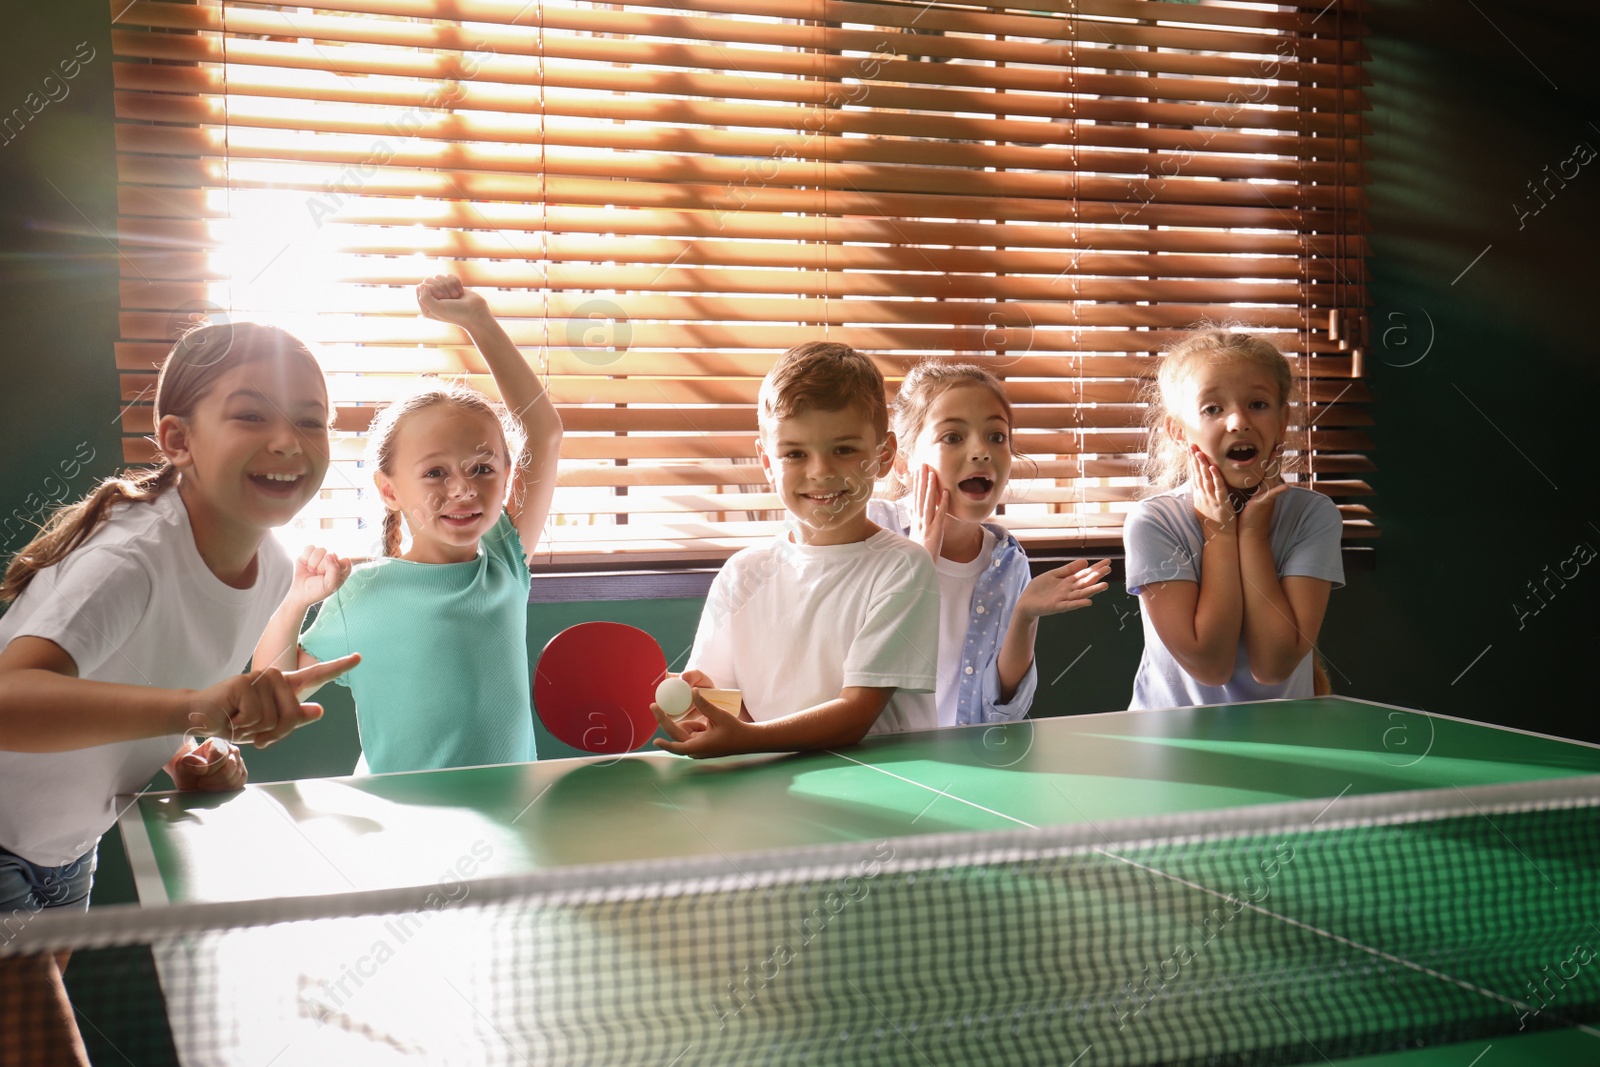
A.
pixel 1282 616
pixel 317 575
pixel 280 642
pixel 533 473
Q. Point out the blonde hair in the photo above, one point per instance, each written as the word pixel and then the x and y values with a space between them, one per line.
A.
pixel 1166 461
pixel 823 376
pixel 188 373
pixel 385 432
pixel 924 384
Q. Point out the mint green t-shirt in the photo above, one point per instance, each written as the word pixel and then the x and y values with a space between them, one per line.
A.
pixel 443 679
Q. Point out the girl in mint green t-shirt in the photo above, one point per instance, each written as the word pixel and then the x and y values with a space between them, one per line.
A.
pixel 441 618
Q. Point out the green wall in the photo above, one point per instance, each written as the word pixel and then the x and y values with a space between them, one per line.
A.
pixel 1484 379
pixel 1485 480
pixel 58 274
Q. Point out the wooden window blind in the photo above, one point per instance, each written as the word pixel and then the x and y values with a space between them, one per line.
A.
pixel 658 199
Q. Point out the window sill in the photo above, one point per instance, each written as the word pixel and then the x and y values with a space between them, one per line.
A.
pixel 691 578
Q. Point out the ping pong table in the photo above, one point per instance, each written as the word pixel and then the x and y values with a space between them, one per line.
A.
pixel 416 848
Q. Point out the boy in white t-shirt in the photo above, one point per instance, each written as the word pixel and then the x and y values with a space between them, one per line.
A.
pixel 830 630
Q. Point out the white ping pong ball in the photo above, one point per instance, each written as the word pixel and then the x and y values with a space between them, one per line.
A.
pixel 674 696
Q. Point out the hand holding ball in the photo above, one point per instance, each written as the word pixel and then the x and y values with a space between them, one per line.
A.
pixel 674 696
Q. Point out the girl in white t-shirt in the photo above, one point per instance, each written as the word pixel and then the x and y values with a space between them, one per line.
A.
pixel 1232 566
pixel 953 422
pixel 131 614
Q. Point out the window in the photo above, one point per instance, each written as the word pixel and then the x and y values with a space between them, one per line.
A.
pixel 659 199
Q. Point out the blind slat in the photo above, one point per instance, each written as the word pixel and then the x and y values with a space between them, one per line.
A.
pixel 954 340
pixel 1330 373
pixel 1035 145
pixel 260 70
pixel 723 198
pixel 516 12
pixel 1115 401
pixel 1090 439
pixel 1184 201
pixel 658 198
pixel 625 36
pixel 150 212
pixel 909 111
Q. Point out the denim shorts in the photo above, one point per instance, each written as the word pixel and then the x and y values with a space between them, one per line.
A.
pixel 28 887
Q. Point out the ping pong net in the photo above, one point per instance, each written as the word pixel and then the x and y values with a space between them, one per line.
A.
pixel 1289 933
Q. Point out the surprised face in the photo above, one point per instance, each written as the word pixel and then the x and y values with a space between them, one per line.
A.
pixel 1236 416
pixel 966 439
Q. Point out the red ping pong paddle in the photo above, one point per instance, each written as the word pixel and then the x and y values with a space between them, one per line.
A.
pixel 593 685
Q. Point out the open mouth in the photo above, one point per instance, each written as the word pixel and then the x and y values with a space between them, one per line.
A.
pixel 1242 453
pixel 460 518
pixel 824 498
pixel 277 485
pixel 977 487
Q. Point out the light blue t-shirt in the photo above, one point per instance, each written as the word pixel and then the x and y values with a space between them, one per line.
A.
pixel 1164 540
pixel 443 679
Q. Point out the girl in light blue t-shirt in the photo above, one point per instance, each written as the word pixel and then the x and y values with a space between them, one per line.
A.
pixel 1231 565
pixel 442 617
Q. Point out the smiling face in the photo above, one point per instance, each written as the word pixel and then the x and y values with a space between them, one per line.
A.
pixel 966 438
pixel 1237 416
pixel 823 465
pixel 447 480
pixel 254 449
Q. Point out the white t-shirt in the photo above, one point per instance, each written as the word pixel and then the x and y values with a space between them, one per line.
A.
pixel 792 625
pixel 136 604
pixel 1164 542
pixel 956 583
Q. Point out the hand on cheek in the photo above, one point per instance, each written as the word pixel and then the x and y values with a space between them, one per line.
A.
pixel 1211 501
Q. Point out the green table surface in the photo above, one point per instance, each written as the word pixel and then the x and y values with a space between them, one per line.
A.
pixel 1555 1048
pixel 322 836
pixel 314 837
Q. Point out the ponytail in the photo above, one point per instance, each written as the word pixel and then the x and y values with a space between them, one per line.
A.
pixel 71 526
pixel 391 533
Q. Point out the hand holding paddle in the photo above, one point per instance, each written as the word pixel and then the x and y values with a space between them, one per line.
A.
pixel 675 695
pixel 707 729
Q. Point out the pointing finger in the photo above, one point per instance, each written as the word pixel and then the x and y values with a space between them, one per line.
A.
pixel 308 680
